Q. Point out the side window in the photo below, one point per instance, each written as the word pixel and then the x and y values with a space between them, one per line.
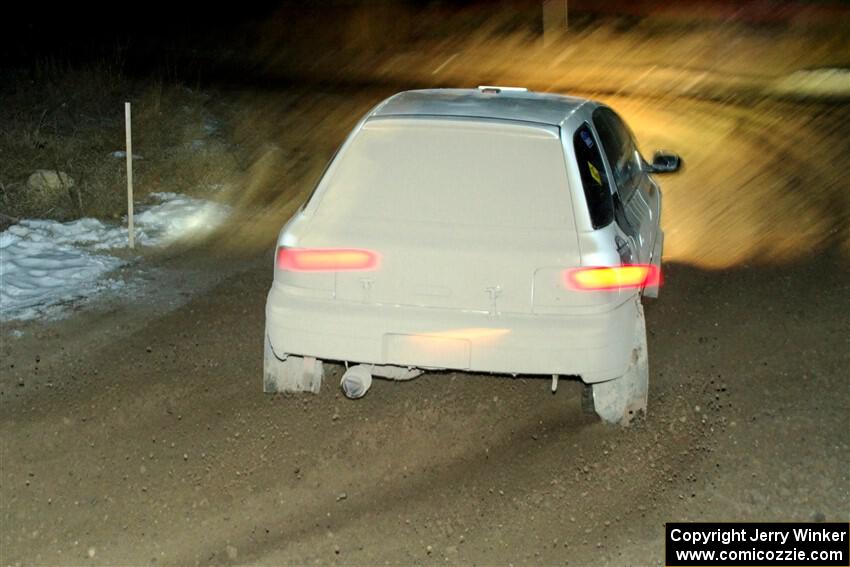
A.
pixel 597 191
pixel 621 151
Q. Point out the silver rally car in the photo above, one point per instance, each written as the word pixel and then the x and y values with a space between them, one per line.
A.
pixel 484 230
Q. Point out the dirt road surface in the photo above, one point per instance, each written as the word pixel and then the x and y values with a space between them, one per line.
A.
pixel 135 431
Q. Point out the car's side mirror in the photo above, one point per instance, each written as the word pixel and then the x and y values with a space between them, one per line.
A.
pixel 665 162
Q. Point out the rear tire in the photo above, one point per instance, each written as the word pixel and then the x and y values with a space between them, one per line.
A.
pixel 622 399
pixel 290 373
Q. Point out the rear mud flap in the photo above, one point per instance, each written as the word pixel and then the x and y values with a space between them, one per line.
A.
pixel 290 373
pixel 622 399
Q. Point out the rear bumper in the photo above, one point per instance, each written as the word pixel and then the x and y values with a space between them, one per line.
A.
pixel 595 346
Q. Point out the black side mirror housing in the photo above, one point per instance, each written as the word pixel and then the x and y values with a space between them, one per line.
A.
pixel 665 162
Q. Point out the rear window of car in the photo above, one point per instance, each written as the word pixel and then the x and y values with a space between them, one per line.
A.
pixel 451 171
pixel 597 191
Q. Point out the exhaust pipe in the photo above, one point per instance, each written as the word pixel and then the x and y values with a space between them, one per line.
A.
pixel 356 381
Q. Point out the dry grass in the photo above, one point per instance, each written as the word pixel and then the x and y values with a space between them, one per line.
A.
pixel 763 180
pixel 469 47
pixel 761 184
pixel 289 138
pixel 72 120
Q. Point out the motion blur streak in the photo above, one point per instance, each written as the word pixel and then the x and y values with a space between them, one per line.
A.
pixel 764 152
pixel 760 185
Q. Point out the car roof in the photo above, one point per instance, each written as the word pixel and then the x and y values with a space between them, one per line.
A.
pixel 485 102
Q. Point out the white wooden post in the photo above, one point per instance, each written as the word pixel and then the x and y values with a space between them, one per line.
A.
pixel 130 229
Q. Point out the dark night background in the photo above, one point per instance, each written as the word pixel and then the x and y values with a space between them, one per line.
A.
pixel 205 37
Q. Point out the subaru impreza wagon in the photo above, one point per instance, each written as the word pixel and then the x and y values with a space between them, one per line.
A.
pixel 490 230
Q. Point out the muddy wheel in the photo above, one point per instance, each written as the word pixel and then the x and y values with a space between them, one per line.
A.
pixel 620 400
pixel 290 373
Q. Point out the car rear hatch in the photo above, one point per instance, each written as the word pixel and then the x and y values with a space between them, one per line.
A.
pixel 457 267
pixel 458 214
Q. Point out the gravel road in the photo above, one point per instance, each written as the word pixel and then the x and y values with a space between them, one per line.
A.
pixel 135 431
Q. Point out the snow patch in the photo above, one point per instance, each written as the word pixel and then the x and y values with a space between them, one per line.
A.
pixel 46 263
pixel 177 216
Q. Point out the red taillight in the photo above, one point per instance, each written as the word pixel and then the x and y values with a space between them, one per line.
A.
pixel 612 278
pixel 326 259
